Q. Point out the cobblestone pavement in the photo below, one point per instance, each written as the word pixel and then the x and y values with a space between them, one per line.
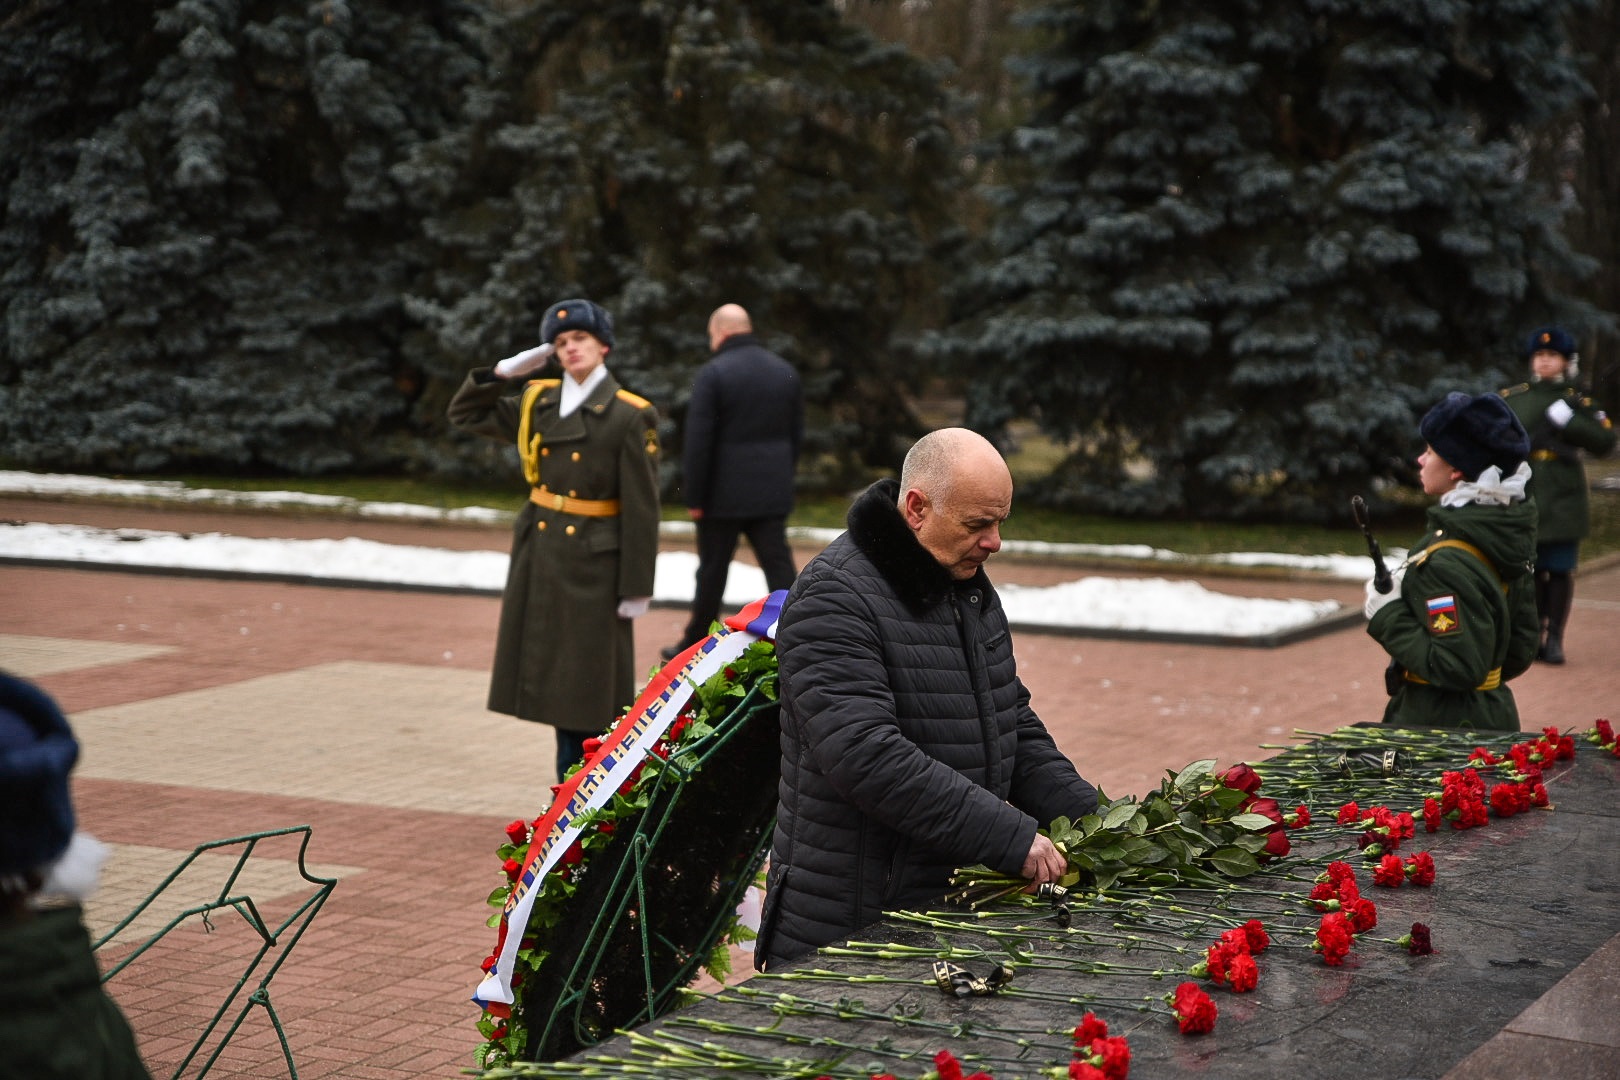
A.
pixel 211 709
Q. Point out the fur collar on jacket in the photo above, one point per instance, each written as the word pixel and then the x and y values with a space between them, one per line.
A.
pixel 876 527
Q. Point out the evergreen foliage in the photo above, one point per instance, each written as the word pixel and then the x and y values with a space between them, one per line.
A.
pixel 662 157
pixel 205 240
pixel 1258 237
pixel 247 235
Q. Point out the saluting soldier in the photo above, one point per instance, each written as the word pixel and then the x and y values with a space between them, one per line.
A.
pixel 585 545
pixel 1564 425
pixel 1461 619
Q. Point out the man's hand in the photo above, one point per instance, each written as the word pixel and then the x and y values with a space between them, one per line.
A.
pixel 634 607
pixel 1044 862
pixel 1377 600
pixel 524 362
pixel 1560 412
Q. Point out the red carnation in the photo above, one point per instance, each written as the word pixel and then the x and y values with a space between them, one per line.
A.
pixel 1243 973
pixel 1324 896
pixel 1195 1011
pixel 1091 1027
pixel 1080 1069
pixel 947 1066
pixel 1339 871
pixel 1420 869
pixel 1300 818
pixel 1116 1057
pixel 1605 732
pixel 1218 957
pixel 1389 872
pixel 1431 815
pixel 1417 942
pixel 518 832
pixel 1363 914
pixel 1333 938
pixel 1255 931
pixel 1349 814
pixel 1509 799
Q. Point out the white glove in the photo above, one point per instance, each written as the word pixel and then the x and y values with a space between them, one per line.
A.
pixel 1376 599
pixel 1559 412
pixel 524 362
pixel 633 607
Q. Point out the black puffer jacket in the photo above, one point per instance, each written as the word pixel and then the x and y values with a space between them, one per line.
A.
pixel 908 744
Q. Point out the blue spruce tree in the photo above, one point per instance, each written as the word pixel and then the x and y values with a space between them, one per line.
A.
pixel 663 157
pixel 1247 242
pixel 206 244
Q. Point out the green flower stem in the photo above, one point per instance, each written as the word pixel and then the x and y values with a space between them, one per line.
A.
pixel 846 1009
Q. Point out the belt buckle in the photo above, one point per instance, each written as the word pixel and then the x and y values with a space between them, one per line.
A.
pixel 557 501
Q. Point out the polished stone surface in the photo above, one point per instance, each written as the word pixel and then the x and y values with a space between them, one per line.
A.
pixel 1523 908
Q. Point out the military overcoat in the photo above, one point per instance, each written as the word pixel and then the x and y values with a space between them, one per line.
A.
pixel 1466 620
pixel 563 656
pixel 1558 483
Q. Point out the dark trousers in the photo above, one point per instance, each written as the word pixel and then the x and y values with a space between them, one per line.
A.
pixel 717 543
pixel 570 749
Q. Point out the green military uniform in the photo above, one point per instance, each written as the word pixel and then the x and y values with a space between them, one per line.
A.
pixel 587 538
pixel 55 1019
pixel 1464 625
pixel 1559 481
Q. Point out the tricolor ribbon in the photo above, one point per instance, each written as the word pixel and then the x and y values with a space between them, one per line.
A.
pixel 607 770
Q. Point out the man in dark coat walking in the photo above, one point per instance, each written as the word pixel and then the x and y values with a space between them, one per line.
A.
pixel 909 747
pixel 744 430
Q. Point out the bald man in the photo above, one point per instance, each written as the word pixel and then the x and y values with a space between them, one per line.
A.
pixel 743 432
pixel 909 747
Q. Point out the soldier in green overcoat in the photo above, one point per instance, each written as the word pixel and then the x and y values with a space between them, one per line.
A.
pixel 1564 425
pixel 585 545
pixel 1461 619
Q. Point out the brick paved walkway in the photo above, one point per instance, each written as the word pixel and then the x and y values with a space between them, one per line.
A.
pixel 210 709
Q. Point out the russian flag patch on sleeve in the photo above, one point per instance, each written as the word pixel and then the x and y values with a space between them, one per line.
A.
pixel 1443 615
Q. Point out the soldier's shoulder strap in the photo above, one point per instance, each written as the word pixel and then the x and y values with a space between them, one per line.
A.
pixel 1510 391
pixel 635 400
pixel 1461 545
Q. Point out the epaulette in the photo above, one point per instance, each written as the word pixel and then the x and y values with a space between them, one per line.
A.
pixel 633 399
pixel 1510 391
pixel 545 384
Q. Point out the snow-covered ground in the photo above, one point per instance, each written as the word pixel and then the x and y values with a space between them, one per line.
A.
pixel 1142 604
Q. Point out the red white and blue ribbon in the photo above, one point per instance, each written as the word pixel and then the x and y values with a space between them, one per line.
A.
pixel 609 768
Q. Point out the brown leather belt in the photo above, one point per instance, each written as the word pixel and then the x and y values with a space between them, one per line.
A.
pixel 541 496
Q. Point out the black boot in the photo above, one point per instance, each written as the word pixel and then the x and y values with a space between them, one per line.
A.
pixel 1560 594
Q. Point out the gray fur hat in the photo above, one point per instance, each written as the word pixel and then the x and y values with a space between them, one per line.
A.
pixel 577 315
